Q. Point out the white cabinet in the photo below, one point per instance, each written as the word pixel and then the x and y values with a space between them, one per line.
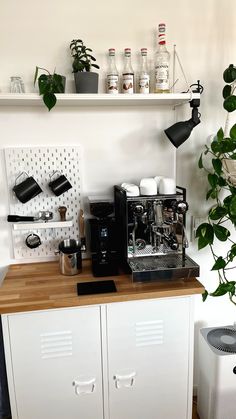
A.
pixel 148 344
pixel 56 364
pixel 130 360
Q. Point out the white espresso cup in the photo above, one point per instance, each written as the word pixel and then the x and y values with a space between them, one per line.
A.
pixel 131 189
pixel 167 186
pixel 148 186
pixel 158 179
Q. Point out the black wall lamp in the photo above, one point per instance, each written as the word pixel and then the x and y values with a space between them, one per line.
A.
pixel 180 131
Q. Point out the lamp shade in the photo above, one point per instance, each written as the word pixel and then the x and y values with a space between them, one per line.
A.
pixel 179 132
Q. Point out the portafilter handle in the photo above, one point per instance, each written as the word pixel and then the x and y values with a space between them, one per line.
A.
pixel 81 230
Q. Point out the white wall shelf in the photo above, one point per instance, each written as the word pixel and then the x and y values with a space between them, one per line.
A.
pixel 74 99
pixel 42 225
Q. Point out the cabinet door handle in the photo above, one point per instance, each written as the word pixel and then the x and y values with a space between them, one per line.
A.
pixel 84 387
pixel 125 380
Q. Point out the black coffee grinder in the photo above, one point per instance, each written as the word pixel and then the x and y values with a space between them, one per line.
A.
pixel 103 237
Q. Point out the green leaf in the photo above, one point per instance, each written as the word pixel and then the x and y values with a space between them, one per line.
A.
pixel 217 164
pixel 232 253
pixel 200 164
pixel 228 145
pixel 220 134
pixel 204 295
pixel 50 100
pixel 202 242
pixel 213 180
pixel 44 82
pixel 222 289
pixel 219 264
pixel 221 232
pixel 226 91
pixel 227 201
pixel 215 146
pixel 221 181
pixel 217 212
pixel 230 103
pixel 211 194
pixel 229 74
pixel 205 234
pixel 233 132
pixel 232 206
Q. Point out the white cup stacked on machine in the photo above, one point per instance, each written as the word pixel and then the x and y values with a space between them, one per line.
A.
pixel 148 186
pixel 167 186
pixel 151 186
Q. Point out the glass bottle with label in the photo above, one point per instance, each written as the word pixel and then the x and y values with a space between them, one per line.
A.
pixel 128 74
pixel 162 62
pixel 112 74
pixel 144 78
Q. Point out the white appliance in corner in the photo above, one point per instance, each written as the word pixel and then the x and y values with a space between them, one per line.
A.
pixel 217 373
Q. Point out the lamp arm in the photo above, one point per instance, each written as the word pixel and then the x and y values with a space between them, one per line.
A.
pixel 195 116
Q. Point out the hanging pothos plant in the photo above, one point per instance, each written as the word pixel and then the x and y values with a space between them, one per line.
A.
pixel 222 191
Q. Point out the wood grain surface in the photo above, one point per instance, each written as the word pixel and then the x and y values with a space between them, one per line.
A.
pixel 39 286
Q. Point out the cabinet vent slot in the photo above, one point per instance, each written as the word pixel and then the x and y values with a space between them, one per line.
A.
pixel 56 344
pixel 149 333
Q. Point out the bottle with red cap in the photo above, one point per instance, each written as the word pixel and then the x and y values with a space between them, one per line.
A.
pixel 144 78
pixel 162 62
pixel 112 74
pixel 128 74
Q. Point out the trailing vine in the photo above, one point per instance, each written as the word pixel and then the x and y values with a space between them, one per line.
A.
pixel 222 190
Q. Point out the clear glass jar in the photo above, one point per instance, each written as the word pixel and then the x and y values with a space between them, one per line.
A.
pixel 17 85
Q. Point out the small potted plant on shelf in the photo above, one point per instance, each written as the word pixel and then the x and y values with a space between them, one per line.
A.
pixel 49 84
pixel 222 192
pixel 86 81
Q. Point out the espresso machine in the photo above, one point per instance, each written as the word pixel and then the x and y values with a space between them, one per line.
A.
pixel 103 237
pixel 151 235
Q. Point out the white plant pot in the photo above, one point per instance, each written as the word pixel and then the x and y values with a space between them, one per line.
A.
pixel 229 169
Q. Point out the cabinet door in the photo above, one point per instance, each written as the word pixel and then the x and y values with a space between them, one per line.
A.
pixel 148 353
pixel 56 360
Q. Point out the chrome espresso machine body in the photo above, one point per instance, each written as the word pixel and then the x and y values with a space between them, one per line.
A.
pixel 151 235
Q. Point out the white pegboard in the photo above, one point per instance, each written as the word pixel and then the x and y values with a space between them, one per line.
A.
pixel 41 162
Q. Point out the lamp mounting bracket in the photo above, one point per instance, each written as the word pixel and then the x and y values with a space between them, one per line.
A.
pixel 194 103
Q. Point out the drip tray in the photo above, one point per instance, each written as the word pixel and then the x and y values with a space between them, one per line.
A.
pixel 164 267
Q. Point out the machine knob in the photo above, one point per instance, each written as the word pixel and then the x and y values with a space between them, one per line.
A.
pixel 234 370
pixel 174 245
pixel 172 241
pixel 140 244
pixel 181 207
pixel 138 209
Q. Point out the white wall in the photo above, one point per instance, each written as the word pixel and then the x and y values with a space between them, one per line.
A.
pixel 119 144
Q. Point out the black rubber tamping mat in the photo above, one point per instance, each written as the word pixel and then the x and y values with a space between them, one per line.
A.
pixel 96 287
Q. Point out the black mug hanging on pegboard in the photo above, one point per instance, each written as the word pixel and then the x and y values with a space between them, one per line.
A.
pixel 59 185
pixel 27 189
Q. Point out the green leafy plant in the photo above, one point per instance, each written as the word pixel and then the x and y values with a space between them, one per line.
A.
pixel 222 191
pixel 82 59
pixel 49 84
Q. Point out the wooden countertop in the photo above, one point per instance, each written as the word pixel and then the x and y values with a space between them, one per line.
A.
pixel 40 286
